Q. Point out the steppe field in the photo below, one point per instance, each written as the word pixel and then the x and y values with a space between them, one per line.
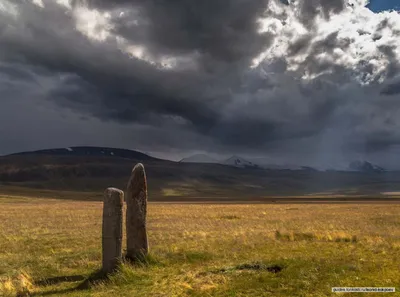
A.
pixel 51 247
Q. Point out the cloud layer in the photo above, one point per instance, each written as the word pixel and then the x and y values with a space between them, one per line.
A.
pixel 304 80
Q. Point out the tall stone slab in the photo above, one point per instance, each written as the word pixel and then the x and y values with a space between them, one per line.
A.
pixel 136 203
pixel 112 229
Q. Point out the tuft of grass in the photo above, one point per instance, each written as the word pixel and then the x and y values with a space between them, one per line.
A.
pixel 231 217
pixel 299 236
pixel 294 236
pixel 144 261
pixel 20 285
pixel 255 266
pixel 7 288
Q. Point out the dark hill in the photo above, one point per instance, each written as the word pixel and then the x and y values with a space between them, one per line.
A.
pixel 89 151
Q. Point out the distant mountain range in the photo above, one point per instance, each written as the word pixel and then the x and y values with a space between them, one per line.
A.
pixel 231 161
pixel 240 162
pixel 88 168
pixel 235 161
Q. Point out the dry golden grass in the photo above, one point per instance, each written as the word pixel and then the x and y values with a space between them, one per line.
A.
pixel 48 247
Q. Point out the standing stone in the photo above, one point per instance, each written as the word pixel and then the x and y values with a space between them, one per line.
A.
pixel 112 229
pixel 136 203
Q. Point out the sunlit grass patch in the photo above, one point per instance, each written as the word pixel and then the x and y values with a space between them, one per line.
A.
pixel 171 192
pixel 19 285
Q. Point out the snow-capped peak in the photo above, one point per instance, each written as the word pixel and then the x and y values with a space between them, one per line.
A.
pixel 238 162
pixel 364 166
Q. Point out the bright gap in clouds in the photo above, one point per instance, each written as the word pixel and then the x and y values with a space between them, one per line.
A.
pixel 38 3
pixel 92 23
pixel 381 5
pixel 66 3
pixel 9 8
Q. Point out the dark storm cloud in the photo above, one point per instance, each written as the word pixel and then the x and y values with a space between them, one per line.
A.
pixel 80 59
pixel 224 31
pixel 391 89
pixel 309 9
pixel 392 70
pixel 106 82
pixel 300 45
pixel 393 67
pixel 120 101
pixel 17 72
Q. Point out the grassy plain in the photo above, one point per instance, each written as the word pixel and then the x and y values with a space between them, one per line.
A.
pixel 49 247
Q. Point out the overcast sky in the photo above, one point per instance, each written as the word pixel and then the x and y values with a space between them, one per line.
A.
pixel 315 82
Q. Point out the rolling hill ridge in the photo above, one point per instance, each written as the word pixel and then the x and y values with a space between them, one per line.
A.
pixel 95 168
